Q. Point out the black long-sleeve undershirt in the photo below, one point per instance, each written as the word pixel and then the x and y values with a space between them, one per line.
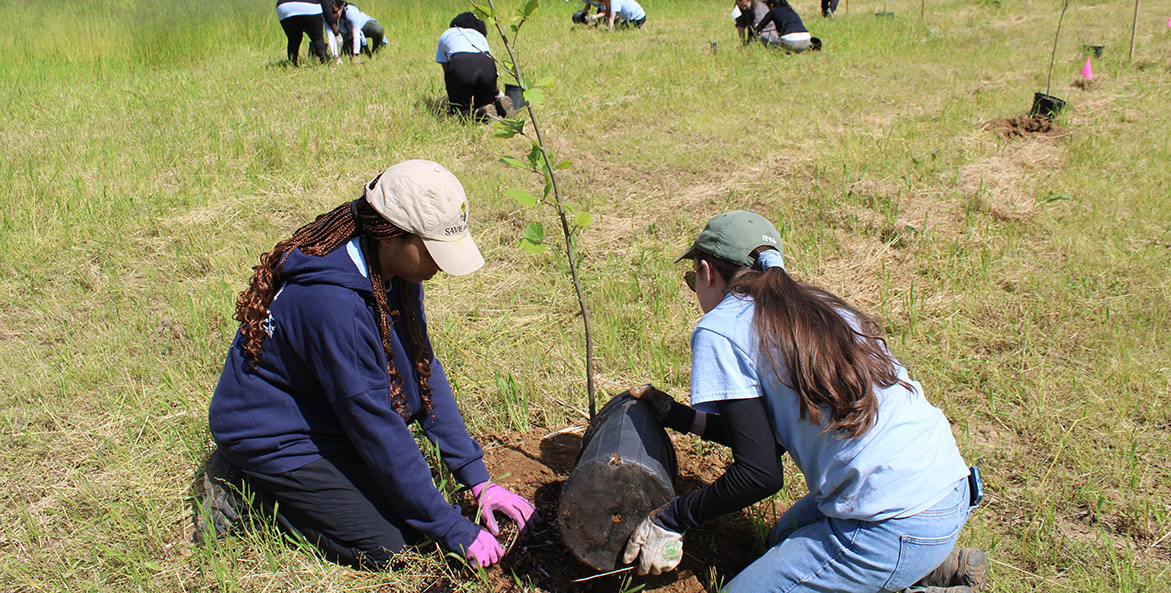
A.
pixel 754 474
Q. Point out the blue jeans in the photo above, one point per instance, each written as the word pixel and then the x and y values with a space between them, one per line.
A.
pixel 812 552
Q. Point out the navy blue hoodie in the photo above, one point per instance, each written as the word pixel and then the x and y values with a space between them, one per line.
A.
pixel 321 388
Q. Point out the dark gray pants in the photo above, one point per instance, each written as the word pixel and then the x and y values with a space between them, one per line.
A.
pixel 337 506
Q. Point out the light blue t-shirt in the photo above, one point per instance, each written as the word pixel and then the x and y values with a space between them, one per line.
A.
pixel 456 40
pixel 357 18
pixel 627 9
pixel 904 464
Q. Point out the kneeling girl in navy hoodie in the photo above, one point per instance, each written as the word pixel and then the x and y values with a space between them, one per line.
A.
pixel 332 364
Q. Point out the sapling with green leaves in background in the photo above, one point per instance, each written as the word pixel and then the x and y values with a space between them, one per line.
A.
pixel 540 161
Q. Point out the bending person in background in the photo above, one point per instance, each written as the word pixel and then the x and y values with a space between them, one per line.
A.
pixel 299 18
pixel 356 26
pixel 584 17
pixel 747 14
pixel 778 365
pixel 793 36
pixel 828 8
pixel 331 366
pixel 469 71
pixel 624 13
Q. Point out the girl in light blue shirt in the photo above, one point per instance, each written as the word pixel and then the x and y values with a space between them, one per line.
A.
pixel 778 365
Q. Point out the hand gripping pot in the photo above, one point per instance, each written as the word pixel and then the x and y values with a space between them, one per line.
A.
pixel 625 469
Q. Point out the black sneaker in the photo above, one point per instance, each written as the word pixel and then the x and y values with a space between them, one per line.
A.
pixel 218 507
pixel 827 13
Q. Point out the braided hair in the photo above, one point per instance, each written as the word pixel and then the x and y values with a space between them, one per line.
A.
pixel 329 231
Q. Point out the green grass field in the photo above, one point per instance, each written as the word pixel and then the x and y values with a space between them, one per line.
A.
pixel 151 151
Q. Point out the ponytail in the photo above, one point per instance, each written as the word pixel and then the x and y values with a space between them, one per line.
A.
pixel 803 333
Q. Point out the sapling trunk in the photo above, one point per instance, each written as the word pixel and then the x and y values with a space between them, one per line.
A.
pixel 1133 29
pixel 1053 55
pixel 570 252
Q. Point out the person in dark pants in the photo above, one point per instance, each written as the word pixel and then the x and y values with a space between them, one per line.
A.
pixel 792 34
pixel 356 26
pixel 747 14
pixel 828 8
pixel 469 71
pixel 332 365
pixel 300 18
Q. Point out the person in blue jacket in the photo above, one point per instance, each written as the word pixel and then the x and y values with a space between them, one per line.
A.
pixel 778 365
pixel 332 365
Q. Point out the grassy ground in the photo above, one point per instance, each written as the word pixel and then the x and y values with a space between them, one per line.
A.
pixel 149 156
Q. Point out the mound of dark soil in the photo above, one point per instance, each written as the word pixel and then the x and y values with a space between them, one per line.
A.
pixel 1025 126
pixel 536 464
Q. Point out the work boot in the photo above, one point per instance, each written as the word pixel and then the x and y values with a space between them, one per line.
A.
pixel 964 571
pixel 217 510
pixel 504 106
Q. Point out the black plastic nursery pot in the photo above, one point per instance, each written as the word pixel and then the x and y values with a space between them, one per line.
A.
pixel 1047 106
pixel 884 14
pixel 1096 50
pixel 517 95
pixel 625 469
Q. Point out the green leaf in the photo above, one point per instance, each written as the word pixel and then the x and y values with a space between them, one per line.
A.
pixel 563 165
pixel 482 10
pixel 1056 198
pixel 533 248
pixel 535 96
pixel 533 240
pixel 530 8
pixel 548 186
pixel 522 196
pixel 514 162
pixel 582 218
pixel 534 233
pixel 547 82
pixel 536 159
pixel 503 129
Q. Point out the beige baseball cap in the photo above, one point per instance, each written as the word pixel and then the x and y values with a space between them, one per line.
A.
pixel 425 199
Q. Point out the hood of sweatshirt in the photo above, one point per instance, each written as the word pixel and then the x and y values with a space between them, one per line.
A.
pixel 344 266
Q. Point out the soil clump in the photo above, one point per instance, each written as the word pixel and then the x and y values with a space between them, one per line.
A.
pixel 535 464
pixel 1025 126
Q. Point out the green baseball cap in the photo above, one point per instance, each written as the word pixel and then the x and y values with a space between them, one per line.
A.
pixel 732 236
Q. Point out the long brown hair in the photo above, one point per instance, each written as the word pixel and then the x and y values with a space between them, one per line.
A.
pixel 323 235
pixel 800 329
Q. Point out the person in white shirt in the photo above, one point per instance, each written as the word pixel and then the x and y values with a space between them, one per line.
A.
pixel 469 71
pixel 355 27
pixel 624 13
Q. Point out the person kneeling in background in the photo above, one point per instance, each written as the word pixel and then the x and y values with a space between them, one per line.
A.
pixel 747 14
pixel 355 26
pixel 625 13
pixel 469 72
pixel 792 34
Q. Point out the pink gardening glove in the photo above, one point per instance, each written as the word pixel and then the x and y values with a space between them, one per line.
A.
pixel 485 551
pixel 492 497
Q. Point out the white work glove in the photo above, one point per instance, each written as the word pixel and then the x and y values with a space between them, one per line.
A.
pixel 657 548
